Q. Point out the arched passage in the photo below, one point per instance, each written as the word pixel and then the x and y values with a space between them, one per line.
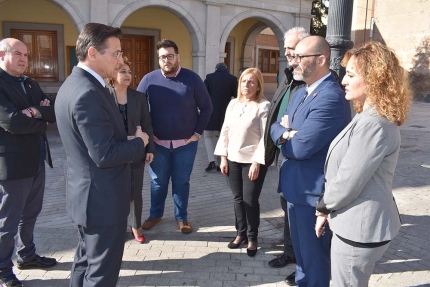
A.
pixel 266 18
pixel 197 39
pixel 73 13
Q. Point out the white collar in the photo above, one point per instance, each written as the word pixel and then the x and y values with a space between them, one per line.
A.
pixel 312 87
pixel 89 70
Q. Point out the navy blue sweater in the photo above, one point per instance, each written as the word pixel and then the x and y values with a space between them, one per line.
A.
pixel 173 104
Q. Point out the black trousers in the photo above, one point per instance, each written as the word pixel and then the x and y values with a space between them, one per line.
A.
pixel 136 204
pixel 246 194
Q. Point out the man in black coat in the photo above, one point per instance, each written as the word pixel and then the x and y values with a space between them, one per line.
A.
pixel 222 87
pixel 98 156
pixel 287 87
pixel 24 114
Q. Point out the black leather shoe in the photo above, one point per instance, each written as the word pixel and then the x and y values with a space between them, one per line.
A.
pixel 281 261
pixel 10 281
pixel 38 262
pixel 291 279
pixel 212 167
pixel 233 245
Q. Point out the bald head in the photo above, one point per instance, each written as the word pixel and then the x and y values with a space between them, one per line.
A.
pixel 312 59
pixel 316 45
pixel 13 56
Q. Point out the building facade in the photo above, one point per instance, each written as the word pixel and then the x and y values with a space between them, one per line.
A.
pixel 403 26
pixel 206 31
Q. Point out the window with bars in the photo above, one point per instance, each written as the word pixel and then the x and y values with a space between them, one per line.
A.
pixel 268 60
pixel 43 59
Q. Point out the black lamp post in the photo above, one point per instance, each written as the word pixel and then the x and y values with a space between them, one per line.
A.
pixel 339 32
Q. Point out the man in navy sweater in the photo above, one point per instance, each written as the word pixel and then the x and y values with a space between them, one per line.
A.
pixel 175 95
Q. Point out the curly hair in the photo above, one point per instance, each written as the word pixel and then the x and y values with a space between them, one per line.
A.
pixel 257 73
pixel 387 83
pixel 111 81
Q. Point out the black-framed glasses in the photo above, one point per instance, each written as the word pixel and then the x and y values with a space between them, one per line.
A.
pixel 298 58
pixel 168 57
pixel 116 54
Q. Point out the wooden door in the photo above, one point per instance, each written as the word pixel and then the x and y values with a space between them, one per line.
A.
pixel 138 50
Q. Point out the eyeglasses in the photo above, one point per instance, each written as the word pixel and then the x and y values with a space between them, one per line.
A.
pixel 117 54
pixel 168 57
pixel 299 58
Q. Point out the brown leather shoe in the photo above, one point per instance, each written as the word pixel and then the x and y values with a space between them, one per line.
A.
pixel 184 226
pixel 150 222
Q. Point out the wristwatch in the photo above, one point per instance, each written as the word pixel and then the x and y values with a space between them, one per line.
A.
pixel 286 134
pixel 197 135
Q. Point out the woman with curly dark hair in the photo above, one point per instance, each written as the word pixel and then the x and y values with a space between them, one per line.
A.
pixel 358 198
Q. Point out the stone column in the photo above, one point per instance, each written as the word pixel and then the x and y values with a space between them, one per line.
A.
pixel 339 32
pixel 99 11
pixel 213 34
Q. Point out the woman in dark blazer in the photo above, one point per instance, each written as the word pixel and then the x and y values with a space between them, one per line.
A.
pixel 133 106
pixel 360 165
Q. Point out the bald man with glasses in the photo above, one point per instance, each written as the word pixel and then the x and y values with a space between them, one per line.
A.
pixel 317 113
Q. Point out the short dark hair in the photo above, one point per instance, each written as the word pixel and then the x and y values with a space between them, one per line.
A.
pixel 165 43
pixel 94 35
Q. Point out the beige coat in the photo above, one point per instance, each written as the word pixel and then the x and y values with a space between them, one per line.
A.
pixel 242 134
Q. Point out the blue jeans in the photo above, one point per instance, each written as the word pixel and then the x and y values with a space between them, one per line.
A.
pixel 176 164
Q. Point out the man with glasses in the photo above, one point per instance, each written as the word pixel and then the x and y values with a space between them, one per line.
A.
pixel 24 114
pixel 98 157
pixel 316 114
pixel 285 92
pixel 180 108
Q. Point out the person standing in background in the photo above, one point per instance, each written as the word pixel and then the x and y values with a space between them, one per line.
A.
pixel 134 110
pixel 222 88
pixel 176 95
pixel 278 106
pixel 241 147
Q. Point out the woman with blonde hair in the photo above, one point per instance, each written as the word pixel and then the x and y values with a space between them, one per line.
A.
pixel 360 165
pixel 133 106
pixel 241 147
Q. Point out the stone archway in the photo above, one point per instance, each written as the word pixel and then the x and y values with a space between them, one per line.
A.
pixel 198 42
pixel 72 11
pixel 268 19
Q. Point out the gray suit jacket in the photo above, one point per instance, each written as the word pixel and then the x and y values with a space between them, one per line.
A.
pixel 359 171
pixel 97 149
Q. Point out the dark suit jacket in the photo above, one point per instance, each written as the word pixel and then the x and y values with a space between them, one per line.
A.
pixel 19 134
pixel 138 115
pixel 287 82
pixel 221 86
pixel 98 153
pixel 318 120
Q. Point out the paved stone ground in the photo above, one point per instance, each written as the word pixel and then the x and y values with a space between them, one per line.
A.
pixel 170 258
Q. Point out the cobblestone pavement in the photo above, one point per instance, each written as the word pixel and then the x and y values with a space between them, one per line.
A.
pixel 170 258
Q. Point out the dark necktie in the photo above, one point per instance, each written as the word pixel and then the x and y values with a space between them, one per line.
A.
pixel 301 102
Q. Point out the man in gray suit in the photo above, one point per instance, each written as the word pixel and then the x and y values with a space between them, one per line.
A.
pixel 98 157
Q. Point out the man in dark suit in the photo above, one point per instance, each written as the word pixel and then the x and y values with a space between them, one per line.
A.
pixel 316 114
pixel 98 157
pixel 24 114
pixel 222 87
pixel 283 95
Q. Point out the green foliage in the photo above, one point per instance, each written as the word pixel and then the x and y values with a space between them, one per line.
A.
pixel 320 11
